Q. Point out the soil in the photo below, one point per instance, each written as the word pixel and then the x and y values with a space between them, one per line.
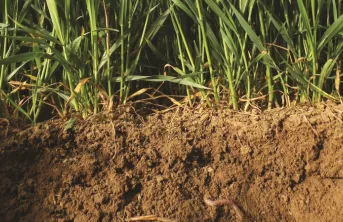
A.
pixel 285 164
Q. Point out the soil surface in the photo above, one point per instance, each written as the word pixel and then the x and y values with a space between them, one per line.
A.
pixel 184 165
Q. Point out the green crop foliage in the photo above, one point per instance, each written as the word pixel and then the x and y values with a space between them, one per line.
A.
pixel 81 57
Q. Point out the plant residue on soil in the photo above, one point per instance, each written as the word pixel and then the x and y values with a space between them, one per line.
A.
pixel 280 165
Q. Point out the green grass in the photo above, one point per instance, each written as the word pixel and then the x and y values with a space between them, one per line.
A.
pixel 84 56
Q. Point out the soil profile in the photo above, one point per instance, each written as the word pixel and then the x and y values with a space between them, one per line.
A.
pixel 285 164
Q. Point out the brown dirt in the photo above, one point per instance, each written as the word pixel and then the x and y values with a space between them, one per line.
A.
pixel 281 165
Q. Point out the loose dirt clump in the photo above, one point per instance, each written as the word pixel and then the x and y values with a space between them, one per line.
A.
pixel 190 165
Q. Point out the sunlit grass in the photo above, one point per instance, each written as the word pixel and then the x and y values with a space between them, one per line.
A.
pixel 84 56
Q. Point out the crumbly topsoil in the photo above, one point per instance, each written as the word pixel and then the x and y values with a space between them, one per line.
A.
pixel 281 165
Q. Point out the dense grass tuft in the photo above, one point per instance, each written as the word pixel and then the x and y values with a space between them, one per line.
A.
pixel 81 56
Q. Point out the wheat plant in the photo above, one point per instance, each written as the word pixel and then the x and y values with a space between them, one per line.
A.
pixel 83 57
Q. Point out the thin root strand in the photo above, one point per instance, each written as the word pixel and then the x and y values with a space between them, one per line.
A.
pixel 215 203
